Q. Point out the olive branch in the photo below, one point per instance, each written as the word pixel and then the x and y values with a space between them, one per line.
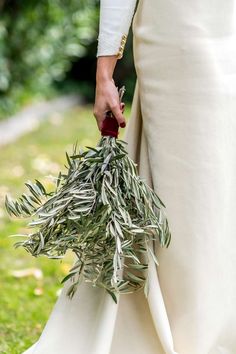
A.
pixel 102 211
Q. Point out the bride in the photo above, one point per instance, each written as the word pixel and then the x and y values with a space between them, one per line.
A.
pixel 182 135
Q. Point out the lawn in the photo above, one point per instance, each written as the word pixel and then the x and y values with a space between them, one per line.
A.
pixel 27 299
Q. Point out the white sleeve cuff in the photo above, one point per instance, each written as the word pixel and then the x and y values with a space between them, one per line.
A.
pixel 115 21
pixel 109 45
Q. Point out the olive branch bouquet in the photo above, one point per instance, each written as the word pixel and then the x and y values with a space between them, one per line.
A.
pixel 102 211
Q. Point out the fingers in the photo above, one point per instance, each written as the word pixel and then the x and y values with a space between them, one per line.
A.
pixel 122 107
pixel 99 118
pixel 107 99
pixel 118 114
pixel 99 123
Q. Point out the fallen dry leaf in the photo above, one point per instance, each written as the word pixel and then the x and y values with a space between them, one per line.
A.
pixel 21 273
pixel 38 291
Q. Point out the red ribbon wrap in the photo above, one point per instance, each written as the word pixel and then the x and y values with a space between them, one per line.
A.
pixel 110 126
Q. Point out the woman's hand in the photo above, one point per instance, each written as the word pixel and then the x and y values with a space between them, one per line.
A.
pixel 107 96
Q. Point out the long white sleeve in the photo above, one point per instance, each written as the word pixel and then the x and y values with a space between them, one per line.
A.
pixel 114 24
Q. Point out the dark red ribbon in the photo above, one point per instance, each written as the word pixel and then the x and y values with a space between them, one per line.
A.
pixel 110 126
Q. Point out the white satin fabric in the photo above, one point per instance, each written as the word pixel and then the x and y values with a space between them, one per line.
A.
pixel 182 133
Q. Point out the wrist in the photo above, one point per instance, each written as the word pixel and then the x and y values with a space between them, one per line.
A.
pixel 105 67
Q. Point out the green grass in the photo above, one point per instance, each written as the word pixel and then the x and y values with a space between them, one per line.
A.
pixel 39 154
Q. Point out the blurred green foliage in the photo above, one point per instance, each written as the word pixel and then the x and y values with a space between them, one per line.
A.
pixel 38 42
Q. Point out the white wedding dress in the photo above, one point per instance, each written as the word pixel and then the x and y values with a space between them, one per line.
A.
pixel 182 134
